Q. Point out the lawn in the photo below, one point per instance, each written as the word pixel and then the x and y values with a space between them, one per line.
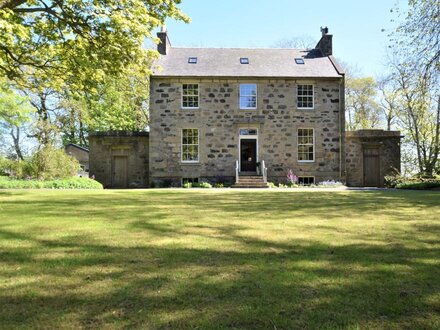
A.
pixel 219 259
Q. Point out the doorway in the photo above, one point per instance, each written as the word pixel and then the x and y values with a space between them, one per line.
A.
pixel 371 167
pixel 119 172
pixel 248 155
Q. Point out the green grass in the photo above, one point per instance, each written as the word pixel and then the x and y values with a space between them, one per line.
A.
pixel 220 259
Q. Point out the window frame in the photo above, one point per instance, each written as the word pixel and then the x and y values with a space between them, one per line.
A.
pixel 191 179
pixel 192 95
pixel 192 60
pixel 305 144
pixel 240 96
pixel 182 145
pixel 297 97
pixel 306 176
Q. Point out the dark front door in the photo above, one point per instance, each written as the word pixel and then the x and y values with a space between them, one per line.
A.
pixel 248 155
pixel 371 168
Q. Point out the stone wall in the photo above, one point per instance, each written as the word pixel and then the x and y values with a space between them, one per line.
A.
pixel 219 120
pixel 104 146
pixel 387 144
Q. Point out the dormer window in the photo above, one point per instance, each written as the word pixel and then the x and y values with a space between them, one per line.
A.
pixel 192 60
pixel 244 60
pixel 299 60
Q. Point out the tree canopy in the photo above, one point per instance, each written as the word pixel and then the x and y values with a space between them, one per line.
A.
pixel 80 40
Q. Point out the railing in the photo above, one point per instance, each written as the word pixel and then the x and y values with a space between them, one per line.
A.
pixel 236 171
pixel 263 170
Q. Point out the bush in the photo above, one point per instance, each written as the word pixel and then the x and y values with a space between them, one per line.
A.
pixel 219 185
pixel 271 185
pixel 46 164
pixel 71 183
pixel 418 183
pixel 329 184
pixel 197 185
pixel 50 163
pixel 421 185
pixel 205 185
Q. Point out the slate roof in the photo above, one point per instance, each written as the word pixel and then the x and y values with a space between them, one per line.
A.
pixel 265 63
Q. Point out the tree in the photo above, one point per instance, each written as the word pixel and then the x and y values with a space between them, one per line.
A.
pixel 361 106
pixel 14 112
pixel 388 101
pixel 81 39
pixel 419 113
pixel 119 103
pixel 299 42
pixel 418 35
pixel 416 66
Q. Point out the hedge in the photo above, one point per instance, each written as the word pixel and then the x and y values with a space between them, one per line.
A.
pixel 422 185
pixel 70 183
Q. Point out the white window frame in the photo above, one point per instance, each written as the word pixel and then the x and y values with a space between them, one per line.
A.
pixel 240 96
pixel 307 144
pixel 307 176
pixel 198 147
pixel 192 95
pixel 313 97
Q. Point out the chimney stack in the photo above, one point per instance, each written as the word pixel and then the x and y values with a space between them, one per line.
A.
pixel 325 45
pixel 164 43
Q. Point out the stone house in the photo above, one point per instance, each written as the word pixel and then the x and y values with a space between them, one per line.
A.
pixel 212 107
pixel 239 115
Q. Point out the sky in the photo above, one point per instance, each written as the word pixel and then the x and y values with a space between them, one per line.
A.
pixel 356 26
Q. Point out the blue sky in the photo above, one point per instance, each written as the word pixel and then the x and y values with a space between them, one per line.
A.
pixel 356 26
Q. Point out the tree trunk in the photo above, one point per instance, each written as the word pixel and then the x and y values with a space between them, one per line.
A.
pixel 16 140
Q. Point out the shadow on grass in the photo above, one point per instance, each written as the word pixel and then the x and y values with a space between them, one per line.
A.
pixel 82 280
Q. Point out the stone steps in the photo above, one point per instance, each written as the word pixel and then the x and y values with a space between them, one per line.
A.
pixel 250 181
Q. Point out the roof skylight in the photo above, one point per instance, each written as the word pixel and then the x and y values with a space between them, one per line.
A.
pixel 299 60
pixel 244 60
pixel 192 60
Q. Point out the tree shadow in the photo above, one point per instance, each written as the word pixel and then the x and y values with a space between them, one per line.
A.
pixel 153 277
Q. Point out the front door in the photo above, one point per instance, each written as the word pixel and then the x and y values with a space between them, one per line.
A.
pixel 119 172
pixel 371 168
pixel 248 155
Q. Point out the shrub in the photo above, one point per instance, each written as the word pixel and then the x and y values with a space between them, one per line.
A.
pixel 329 184
pixel 416 182
pixel 421 185
pixel 219 185
pixel 271 185
pixel 71 183
pixel 391 181
pixel 205 185
pixel 187 185
pixel 292 179
pixel 50 163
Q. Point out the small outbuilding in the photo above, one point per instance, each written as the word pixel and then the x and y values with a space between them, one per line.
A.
pixel 119 159
pixel 370 156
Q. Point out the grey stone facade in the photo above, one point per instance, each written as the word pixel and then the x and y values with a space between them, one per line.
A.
pixel 219 119
pixel 132 147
